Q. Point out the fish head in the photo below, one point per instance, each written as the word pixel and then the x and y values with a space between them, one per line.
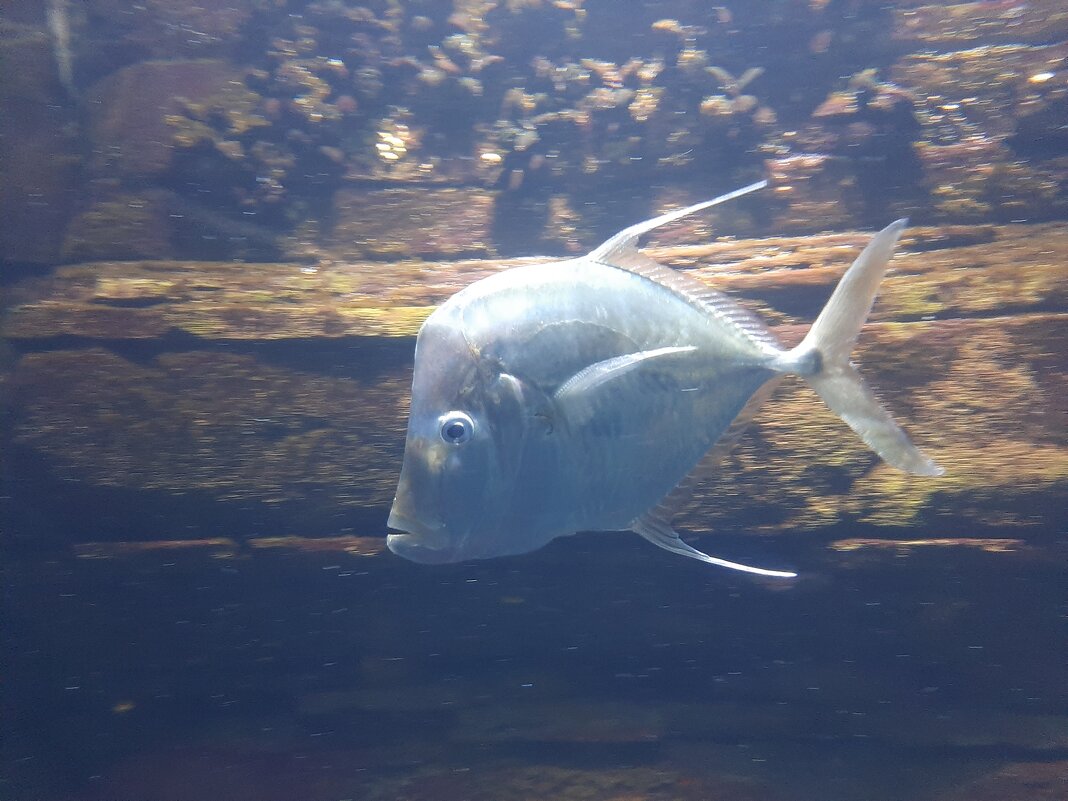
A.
pixel 465 436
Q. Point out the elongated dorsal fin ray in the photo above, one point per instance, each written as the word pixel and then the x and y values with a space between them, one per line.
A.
pixel 661 534
pixel 627 238
pixel 621 251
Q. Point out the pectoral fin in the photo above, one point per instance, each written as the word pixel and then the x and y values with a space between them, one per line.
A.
pixel 575 397
pixel 660 533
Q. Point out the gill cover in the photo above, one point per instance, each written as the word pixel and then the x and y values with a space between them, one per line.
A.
pixel 466 436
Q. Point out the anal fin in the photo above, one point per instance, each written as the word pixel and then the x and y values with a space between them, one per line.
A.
pixel 654 525
pixel 661 534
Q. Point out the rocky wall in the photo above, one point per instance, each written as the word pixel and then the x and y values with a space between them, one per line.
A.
pixel 284 388
pixel 256 210
pixel 242 132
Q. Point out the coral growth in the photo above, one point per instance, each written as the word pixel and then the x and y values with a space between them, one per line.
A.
pixel 570 105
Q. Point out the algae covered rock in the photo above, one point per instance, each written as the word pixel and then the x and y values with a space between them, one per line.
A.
pixel 401 223
pixel 944 25
pixel 977 395
pixel 325 177
pixel 142 114
pixel 175 28
pixel 962 346
pixel 226 425
pixel 302 123
pixel 813 191
pixel 39 153
pixel 121 225
pixel 942 272
pixel 991 119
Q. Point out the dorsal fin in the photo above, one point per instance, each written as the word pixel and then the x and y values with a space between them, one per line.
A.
pixel 627 239
pixel 714 304
pixel 621 251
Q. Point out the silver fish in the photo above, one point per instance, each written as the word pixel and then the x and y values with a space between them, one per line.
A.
pixel 577 395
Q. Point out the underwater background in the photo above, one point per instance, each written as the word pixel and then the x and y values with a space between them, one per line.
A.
pixel 221 225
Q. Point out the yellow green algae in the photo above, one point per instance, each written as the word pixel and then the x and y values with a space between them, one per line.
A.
pixel 956 24
pixel 226 424
pixel 1017 270
pixel 973 393
pixel 974 386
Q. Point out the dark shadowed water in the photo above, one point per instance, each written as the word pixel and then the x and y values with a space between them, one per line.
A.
pixel 598 668
pixel 594 669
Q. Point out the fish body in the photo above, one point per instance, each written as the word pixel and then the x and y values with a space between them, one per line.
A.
pixel 577 395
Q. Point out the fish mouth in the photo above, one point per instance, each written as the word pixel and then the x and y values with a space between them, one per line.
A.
pixel 419 542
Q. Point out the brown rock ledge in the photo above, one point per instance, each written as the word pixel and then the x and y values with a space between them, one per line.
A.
pixel 965 346
pixel 956 271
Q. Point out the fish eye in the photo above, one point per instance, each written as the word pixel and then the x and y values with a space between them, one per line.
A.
pixel 456 427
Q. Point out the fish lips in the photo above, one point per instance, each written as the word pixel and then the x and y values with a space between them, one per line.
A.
pixel 419 543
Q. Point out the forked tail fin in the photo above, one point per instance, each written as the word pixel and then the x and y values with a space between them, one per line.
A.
pixel 823 358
